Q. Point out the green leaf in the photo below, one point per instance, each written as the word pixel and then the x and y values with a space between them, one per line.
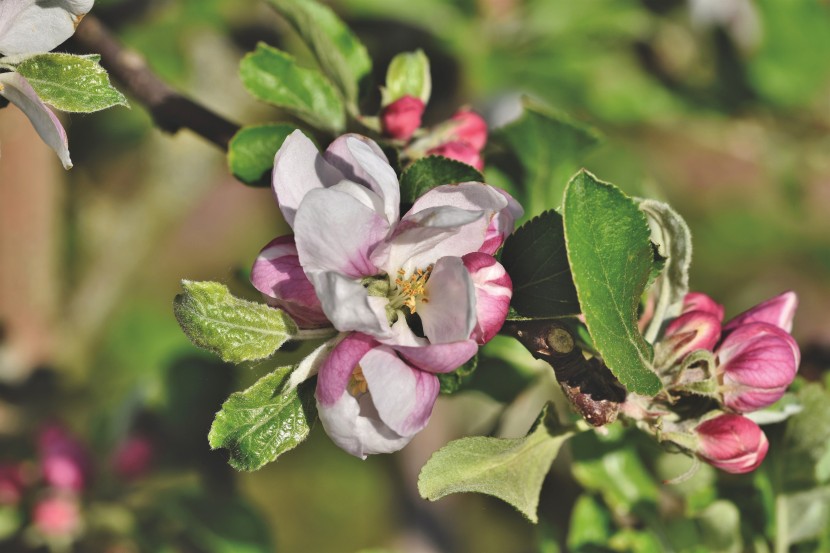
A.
pixel 801 516
pixel 408 75
pixel 71 83
pixel 511 469
pixel 252 149
pixel 807 439
pixel 537 262
pixel 451 382
pixel 274 77
pixel 235 329
pixel 673 239
pixel 259 424
pixel 431 171
pixel 342 57
pixel 610 254
pixel 548 148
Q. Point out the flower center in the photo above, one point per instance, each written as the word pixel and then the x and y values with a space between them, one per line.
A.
pixel 407 292
pixel 357 383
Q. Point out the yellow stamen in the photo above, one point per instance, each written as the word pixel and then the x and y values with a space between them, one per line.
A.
pixel 357 383
pixel 410 291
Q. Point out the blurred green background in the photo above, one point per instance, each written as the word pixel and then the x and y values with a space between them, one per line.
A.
pixel 721 109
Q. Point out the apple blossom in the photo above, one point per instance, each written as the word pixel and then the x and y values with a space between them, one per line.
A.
pixel 731 443
pixel 415 294
pixel 65 463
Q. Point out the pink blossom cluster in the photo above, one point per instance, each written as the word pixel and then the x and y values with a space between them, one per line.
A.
pixel 61 476
pixel 411 296
pixel 755 360
pixel 462 137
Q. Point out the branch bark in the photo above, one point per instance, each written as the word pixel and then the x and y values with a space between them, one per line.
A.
pixel 171 111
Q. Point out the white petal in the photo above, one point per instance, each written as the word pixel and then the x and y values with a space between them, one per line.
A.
pixel 346 304
pixel 449 314
pixel 361 194
pixel 421 238
pixel 467 195
pixel 402 395
pixel 355 426
pixel 336 232
pixel 298 169
pixel 382 176
pixel 19 92
pixel 33 27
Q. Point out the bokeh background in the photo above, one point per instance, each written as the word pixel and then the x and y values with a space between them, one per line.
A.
pixel 719 107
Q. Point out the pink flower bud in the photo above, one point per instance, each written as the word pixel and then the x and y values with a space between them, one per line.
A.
pixel 65 463
pixel 401 118
pixel 731 443
pixel 778 311
pixel 57 516
pixel 755 364
pixel 11 484
pixel 493 289
pixel 133 458
pixel 470 128
pixel 459 151
pixel 697 301
pixel 689 332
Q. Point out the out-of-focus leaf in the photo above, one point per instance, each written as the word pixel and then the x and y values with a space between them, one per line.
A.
pixel 10 521
pixel 614 470
pixel 610 255
pixel 590 523
pixel 801 516
pixel 537 262
pixel 511 469
pixel 636 541
pixel 342 57
pixel 71 83
pixel 235 329
pixel 720 527
pixel 807 439
pixel 264 421
pixel 274 77
pixel 408 75
pixel 549 148
pixel 252 149
pixel 431 171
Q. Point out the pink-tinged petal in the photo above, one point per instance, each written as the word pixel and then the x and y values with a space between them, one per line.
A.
pixel 472 196
pixel 731 443
pixel 756 364
pixel 337 369
pixel 336 232
pixel 362 161
pixel 459 151
pixel 697 301
pixel 423 237
pixel 18 91
pixel 403 395
pixel 448 309
pixel 493 290
pixel 65 462
pixel 439 358
pixel 33 27
pixel 58 517
pixel 298 169
pixel 348 306
pixel 354 425
pixel 778 311
pixel 502 224
pixel 691 331
pixel 277 273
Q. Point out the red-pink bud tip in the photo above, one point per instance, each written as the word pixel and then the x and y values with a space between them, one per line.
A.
pixel 401 118
pixel 731 443
pixel 459 151
pixel 470 128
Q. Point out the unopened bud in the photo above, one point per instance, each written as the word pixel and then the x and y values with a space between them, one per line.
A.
pixel 401 118
pixel 468 127
pixel 698 301
pixel 755 364
pixel 58 516
pixel 777 311
pixel 731 443
pixel 65 463
pixel 460 151
pixel 689 332
pixel 133 458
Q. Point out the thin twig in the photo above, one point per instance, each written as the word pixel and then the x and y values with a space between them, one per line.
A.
pixel 170 110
